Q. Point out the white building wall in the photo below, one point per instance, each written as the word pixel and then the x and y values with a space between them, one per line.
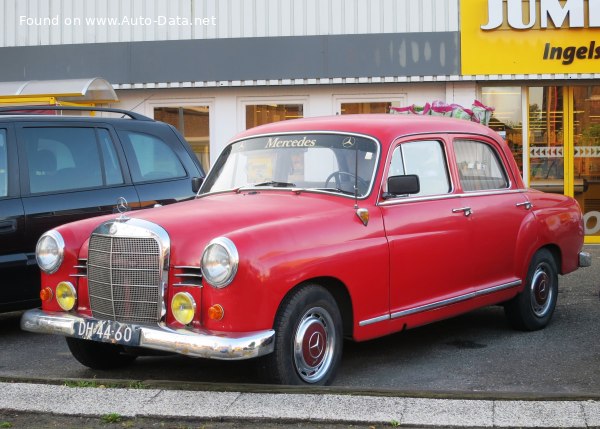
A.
pixel 53 22
pixel 227 105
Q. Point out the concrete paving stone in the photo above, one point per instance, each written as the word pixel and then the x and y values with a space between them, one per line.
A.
pixel 591 411
pixel 175 403
pixel 367 409
pixel 555 414
pixel 72 400
pixel 272 406
pixel 448 413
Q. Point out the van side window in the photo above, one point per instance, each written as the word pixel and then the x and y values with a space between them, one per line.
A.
pixel 62 159
pixel 150 158
pixel 3 165
pixel 479 167
pixel 112 169
pixel 426 159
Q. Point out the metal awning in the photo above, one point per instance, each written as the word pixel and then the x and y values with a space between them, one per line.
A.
pixel 92 90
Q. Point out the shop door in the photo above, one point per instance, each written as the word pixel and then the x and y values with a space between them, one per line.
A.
pixel 584 112
pixel 546 139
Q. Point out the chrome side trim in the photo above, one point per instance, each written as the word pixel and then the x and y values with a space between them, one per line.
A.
pixel 407 200
pixel 455 300
pixel 439 304
pixel 198 343
pixel 374 320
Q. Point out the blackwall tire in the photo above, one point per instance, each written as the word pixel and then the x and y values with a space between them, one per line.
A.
pixel 308 339
pixel 533 308
pixel 98 355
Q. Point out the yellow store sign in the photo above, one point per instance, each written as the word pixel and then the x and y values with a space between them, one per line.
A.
pixel 530 36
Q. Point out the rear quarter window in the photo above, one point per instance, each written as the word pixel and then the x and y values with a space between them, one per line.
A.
pixel 150 158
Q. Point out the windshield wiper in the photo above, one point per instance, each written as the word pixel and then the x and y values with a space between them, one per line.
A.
pixel 341 191
pixel 275 184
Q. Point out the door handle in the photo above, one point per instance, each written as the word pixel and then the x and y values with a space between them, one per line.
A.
pixel 466 210
pixel 8 226
pixel 525 204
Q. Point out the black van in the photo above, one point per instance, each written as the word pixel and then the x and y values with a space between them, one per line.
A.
pixel 58 169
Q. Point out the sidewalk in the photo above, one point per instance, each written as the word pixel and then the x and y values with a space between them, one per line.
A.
pixel 273 407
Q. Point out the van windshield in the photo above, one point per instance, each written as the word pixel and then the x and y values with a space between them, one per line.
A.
pixel 338 163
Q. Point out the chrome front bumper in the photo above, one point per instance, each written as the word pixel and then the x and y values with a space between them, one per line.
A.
pixel 585 259
pixel 204 344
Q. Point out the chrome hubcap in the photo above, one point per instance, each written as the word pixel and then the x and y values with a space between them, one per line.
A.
pixel 542 293
pixel 314 345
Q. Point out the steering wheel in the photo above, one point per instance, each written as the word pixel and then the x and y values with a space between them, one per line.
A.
pixel 336 176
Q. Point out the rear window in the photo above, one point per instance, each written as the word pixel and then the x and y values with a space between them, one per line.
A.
pixel 479 167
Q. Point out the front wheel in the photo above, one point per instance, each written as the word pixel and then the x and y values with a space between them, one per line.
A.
pixel 533 308
pixel 98 355
pixel 308 339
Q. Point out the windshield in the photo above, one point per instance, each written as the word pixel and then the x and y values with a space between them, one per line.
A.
pixel 336 163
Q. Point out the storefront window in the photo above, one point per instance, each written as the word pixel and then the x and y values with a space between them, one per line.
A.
pixel 546 139
pixel 507 117
pixel 374 107
pixel 193 123
pixel 586 140
pixel 259 114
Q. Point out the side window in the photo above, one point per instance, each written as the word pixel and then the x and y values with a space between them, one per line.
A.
pixel 426 159
pixel 112 170
pixel 3 165
pixel 479 166
pixel 153 159
pixel 62 159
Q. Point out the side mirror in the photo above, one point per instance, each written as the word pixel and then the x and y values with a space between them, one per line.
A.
pixel 196 183
pixel 402 185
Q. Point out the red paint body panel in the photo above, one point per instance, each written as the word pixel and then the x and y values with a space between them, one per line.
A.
pixel 413 252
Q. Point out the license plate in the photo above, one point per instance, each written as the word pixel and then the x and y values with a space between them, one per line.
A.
pixel 108 331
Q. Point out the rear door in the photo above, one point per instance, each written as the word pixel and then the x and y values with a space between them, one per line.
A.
pixel 161 164
pixel 18 288
pixel 69 172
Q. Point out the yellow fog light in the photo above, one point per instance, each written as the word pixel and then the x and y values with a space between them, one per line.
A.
pixel 183 307
pixel 66 295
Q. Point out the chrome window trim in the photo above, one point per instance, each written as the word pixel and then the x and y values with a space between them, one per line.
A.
pixel 140 228
pixel 297 189
pixel 405 200
pixel 439 304
pixel 498 158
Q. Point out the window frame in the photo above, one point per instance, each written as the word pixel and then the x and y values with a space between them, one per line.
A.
pixel 416 197
pixel 497 156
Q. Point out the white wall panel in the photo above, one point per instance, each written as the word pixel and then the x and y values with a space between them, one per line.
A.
pixel 105 21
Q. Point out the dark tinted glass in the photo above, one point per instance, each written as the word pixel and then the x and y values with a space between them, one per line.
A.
pixel 112 170
pixel 62 159
pixel 153 158
pixel 3 165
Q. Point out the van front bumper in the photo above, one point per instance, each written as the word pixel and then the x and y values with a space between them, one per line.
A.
pixel 197 343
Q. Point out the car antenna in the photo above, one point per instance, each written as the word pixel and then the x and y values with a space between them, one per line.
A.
pixel 355 174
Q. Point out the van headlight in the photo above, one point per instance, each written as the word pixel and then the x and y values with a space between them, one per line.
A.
pixel 50 251
pixel 219 262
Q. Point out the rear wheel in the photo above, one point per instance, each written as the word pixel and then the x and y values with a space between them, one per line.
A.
pixel 308 339
pixel 98 355
pixel 533 308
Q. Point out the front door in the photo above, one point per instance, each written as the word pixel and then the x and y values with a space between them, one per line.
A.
pixel 428 238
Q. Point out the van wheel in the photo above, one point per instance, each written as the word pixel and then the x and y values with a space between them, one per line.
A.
pixel 98 355
pixel 533 308
pixel 308 339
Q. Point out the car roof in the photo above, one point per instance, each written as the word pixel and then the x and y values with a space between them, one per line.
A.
pixel 381 126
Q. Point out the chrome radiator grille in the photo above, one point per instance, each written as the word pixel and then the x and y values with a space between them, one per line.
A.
pixel 124 278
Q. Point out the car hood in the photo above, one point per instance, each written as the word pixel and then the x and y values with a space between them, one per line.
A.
pixel 254 218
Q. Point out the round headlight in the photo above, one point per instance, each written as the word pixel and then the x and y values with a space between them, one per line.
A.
pixel 183 307
pixel 219 262
pixel 66 295
pixel 50 251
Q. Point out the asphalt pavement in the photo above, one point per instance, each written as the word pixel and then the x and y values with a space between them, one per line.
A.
pixel 271 406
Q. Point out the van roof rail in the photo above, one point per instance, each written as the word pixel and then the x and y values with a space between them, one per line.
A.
pixel 11 110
